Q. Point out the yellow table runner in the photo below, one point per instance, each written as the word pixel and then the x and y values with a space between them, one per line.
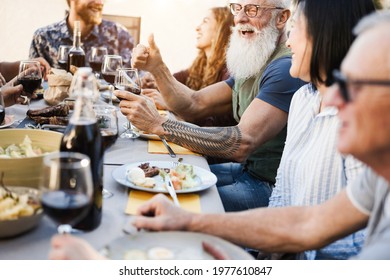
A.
pixel 157 147
pixel 188 201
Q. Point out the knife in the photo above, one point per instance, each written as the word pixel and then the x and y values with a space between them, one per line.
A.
pixel 171 190
pixel 170 151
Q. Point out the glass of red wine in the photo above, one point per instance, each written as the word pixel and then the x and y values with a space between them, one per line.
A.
pixel 127 79
pixel 30 76
pixel 2 109
pixel 66 188
pixel 107 120
pixel 63 51
pixel 111 63
pixel 96 60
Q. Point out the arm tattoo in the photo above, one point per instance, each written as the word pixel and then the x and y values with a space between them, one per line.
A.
pixel 213 141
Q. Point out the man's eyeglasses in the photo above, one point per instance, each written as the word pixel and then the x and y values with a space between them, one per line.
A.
pixel 250 10
pixel 345 85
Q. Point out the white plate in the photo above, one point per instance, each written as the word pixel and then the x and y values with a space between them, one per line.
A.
pixel 205 177
pixel 8 121
pixel 183 245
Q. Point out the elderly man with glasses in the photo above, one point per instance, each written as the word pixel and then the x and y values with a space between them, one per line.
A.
pixel 259 92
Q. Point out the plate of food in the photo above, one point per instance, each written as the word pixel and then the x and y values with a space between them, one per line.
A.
pixel 173 245
pixel 20 210
pixel 149 176
pixel 8 121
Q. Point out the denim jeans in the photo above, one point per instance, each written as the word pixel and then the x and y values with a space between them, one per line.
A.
pixel 238 189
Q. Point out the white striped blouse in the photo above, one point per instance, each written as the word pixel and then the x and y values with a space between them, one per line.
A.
pixel 311 169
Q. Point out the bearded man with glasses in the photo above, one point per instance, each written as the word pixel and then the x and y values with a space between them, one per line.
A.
pixel 259 93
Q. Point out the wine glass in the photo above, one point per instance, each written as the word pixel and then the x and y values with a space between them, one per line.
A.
pixel 2 109
pixel 66 188
pixel 30 76
pixel 128 79
pixel 108 124
pixel 96 60
pixel 63 56
pixel 111 63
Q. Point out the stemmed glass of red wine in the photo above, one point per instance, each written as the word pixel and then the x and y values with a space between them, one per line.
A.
pixel 111 63
pixel 66 188
pixel 2 108
pixel 62 57
pixel 96 60
pixel 107 120
pixel 30 76
pixel 127 79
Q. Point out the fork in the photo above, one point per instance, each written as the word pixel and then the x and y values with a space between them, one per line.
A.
pixel 177 163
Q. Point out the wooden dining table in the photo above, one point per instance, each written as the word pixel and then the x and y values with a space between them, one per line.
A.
pixel 35 244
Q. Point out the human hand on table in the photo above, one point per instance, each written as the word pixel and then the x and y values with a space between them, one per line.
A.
pixel 141 112
pixel 160 214
pixel 69 247
pixel 147 58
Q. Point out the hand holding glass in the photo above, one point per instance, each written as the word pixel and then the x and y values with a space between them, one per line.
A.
pixel 30 76
pixel 128 79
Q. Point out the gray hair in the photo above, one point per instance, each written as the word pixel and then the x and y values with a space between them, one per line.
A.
pixel 280 3
pixel 371 21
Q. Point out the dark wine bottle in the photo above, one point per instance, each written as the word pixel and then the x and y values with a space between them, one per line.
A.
pixel 76 55
pixel 83 135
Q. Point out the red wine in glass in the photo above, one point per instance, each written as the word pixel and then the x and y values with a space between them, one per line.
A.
pixel 96 66
pixel 30 83
pixel 2 114
pixel 109 138
pixel 109 77
pixel 131 89
pixel 65 206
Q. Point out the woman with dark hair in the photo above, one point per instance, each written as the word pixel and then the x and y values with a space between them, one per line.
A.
pixel 311 169
pixel 209 67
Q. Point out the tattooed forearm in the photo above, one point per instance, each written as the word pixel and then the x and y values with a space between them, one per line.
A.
pixel 213 141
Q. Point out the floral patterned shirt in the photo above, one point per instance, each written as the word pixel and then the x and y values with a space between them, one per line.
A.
pixel 112 35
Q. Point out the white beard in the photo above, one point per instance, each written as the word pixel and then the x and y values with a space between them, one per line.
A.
pixel 245 58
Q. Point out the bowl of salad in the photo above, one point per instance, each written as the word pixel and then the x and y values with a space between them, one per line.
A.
pixel 22 152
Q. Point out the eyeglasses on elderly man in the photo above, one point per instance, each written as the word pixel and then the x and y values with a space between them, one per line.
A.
pixel 250 10
pixel 349 87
